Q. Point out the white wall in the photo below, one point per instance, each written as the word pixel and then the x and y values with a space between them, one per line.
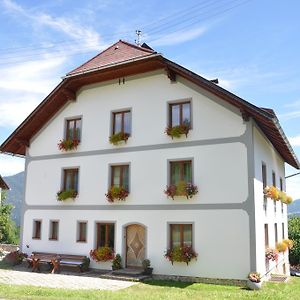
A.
pixel 220 238
pixel 220 172
pixel 148 97
pixel 265 152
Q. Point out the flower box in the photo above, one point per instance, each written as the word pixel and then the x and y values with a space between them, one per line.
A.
pixel 177 131
pixel 117 138
pixel 281 247
pixel 181 189
pixel 102 254
pixel 116 193
pixel 181 254
pixel 67 194
pixel 67 145
pixel 277 195
pixel 289 243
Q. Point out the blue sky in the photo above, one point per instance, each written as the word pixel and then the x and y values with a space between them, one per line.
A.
pixel 251 46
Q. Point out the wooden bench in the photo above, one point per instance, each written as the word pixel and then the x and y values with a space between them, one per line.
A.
pixel 80 261
pixel 37 258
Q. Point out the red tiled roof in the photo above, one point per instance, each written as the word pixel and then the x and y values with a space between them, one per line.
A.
pixel 118 52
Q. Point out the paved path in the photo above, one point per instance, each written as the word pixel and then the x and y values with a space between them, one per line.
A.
pixel 61 281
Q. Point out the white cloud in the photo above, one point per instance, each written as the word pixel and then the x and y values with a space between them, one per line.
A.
pixel 10 165
pixel 178 37
pixel 295 141
pixel 290 115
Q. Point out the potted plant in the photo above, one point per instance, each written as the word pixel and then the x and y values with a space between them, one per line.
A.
pixel 102 254
pixel 117 263
pixel 116 193
pixel 146 266
pixel 67 144
pixel 181 189
pixel 181 254
pixel 271 192
pixel 178 130
pixel 67 194
pixel 254 281
pixel 116 138
pixel 281 247
pixel 271 254
pixel 289 243
pixel 15 257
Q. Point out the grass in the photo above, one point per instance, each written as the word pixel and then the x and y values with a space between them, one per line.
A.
pixel 160 290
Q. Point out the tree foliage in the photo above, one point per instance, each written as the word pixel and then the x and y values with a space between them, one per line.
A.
pixel 294 234
pixel 8 229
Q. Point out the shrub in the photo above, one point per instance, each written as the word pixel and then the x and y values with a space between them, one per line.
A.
pixel 15 257
pixel 117 262
pixel 181 254
pixel 116 193
pixel 146 264
pixel 177 131
pixel 64 195
pixel 102 254
pixel 116 138
pixel 254 277
pixel 67 145
pixel 294 234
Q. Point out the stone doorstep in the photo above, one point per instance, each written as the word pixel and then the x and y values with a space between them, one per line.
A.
pixel 278 278
pixel 127 275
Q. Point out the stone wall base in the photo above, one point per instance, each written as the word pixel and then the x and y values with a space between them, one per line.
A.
pixel 8 248
pixel 236 282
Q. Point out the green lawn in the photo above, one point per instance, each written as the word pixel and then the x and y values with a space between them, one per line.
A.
pixel 160 290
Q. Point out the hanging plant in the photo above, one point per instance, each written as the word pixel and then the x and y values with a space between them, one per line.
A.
pixel 116 138
pixel 102 254
pixel 275 194
pixel 64 195
pixel 67 145
pixel 177 131
pixel 181 189
pixel 116 193
pixel 271 254
pixel 181 254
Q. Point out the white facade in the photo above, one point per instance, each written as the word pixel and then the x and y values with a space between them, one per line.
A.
pixel 227 214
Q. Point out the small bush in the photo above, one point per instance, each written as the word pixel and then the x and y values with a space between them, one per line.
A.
pixel 117 262
pixel 15 257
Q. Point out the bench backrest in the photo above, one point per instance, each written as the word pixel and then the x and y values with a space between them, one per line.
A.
pixel 43 254
pixel 72 257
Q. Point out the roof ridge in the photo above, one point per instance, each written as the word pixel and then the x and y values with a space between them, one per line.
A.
pixel 137 47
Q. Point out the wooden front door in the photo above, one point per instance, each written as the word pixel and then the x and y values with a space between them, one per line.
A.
pixel 135 245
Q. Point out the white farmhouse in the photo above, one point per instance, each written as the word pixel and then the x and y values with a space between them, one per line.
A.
pixel 177 133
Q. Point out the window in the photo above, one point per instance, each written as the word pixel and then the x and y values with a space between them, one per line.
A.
pixel 264 181
pixel 281 183
pixel 120 176
pixel 81 231
pixel 105 235
pixel 266 235
pixel 181 235
pixel 73 128
pixel 53 230
pixel 181 171
pixel 283 233
pixel 37 225
pixel 70 180
pixel 179 113
pixel 274 184
pixel 276 233
pixel 121 122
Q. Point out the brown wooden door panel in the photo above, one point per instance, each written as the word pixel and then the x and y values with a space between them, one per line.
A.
pixel 135 245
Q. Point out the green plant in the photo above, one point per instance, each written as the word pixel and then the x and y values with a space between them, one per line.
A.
pixel 181 254
pixel 102 254
pixel 116 138
pixel 116 193
pixel 294 234
pixel 146 264
pixel 177 131
pixel 254 277
pixel 64 195
pixel 117 262
pixel 67 145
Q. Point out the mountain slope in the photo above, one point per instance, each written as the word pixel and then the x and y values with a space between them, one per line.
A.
pixel 294 208
pixel 15 195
